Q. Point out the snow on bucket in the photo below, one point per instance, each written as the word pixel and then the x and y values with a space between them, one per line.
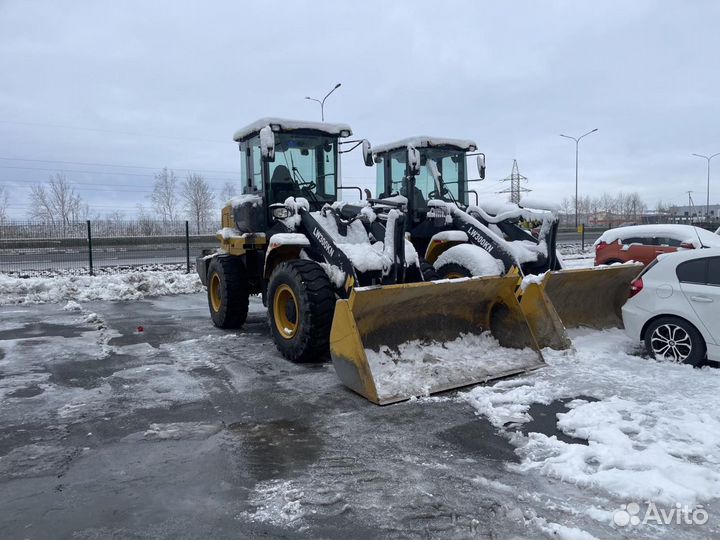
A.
pixel 390 343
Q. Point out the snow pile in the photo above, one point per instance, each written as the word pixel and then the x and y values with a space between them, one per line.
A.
pixel 418 368
pixel 277 502
pixel 682 233
pixel 531 278
pixel 474 258
pixel 652 435
pixel 132 286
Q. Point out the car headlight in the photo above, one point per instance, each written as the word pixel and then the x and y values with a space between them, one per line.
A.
pixel 281 212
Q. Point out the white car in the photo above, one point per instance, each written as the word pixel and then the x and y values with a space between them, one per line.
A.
pixel 674 307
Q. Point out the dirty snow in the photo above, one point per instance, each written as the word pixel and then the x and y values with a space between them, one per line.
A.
pixel 131 286
pixel 418 368
pixel 652 434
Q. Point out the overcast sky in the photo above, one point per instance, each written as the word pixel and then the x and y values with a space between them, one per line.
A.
pixel 155 84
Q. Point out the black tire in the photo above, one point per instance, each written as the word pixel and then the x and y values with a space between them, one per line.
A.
pixel 227 292
pixel 302 332
pixel 428 271
pixel 683 341
pixel 452 271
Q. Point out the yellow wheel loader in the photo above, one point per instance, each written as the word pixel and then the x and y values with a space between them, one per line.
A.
pixel 343 278
pixel 463 240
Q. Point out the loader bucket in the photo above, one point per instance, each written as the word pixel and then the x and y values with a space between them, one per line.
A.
pixel 543 319
pixel 591 297
pixel 390 343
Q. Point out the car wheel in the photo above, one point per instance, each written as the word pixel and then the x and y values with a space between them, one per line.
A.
pixel 676 340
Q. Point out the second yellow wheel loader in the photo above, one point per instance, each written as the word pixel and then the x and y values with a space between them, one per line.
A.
pixel 464 240
pixel 343 279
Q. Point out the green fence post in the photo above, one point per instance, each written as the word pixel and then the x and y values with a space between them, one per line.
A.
pixel 89 234
pixel 187 245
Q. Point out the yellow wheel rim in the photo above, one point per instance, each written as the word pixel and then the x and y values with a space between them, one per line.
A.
pixel 215 298
pixel 285 311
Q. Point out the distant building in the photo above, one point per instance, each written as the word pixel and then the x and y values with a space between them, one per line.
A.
pixel 690 214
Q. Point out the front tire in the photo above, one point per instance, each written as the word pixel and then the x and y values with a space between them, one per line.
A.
pixel 301 303
pixel 676 340
pixel 227 289
pixel 453 271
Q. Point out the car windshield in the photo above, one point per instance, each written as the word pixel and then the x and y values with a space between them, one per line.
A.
pixel 304 166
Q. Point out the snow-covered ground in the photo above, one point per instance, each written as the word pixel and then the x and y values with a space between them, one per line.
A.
pixel 645 431
pixel 107 286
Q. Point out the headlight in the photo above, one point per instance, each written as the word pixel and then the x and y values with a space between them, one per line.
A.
pixel 280 212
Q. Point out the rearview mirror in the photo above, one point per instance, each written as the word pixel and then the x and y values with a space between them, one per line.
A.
pixel 413 161
pixel 481 166
pixel 367 153
pixel 267 144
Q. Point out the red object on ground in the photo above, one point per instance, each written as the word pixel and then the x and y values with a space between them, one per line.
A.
pixel 140 329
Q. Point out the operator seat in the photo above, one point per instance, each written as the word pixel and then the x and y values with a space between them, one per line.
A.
pixel 282 185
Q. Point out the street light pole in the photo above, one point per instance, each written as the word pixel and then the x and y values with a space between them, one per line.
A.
pixel 577 153
pixel 322 102
pixel 707 202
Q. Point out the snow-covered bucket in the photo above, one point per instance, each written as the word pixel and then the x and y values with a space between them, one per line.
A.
pixel 390 343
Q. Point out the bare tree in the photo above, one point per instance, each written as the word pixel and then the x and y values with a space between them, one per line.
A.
pixel 164 196
pixel 57 203
pixel 227 192
pixel 198 199
pixel 4 200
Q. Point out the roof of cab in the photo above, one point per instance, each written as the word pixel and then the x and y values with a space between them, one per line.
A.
pixel 424 141
pixel 285 125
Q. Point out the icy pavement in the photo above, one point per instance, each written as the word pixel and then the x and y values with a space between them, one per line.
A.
pixel 182 430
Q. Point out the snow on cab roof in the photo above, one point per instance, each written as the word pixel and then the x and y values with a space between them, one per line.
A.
pixel 423 141
pixel 283 124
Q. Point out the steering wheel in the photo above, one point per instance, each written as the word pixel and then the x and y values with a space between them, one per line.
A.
pixel 438 196
pixel 307 185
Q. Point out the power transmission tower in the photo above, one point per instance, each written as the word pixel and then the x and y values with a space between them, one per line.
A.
pixel 515 180
pixel 691 206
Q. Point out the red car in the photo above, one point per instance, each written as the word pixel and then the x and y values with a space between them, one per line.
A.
pixel 643 243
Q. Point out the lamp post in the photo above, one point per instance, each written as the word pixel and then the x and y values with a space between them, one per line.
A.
pixel 577 144
pixel 322 102
pixel 707 202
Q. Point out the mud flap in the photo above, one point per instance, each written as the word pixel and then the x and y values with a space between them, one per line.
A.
pixel 591 297
pixel 394 342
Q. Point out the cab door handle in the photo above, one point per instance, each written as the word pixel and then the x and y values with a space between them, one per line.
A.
pixel 701 299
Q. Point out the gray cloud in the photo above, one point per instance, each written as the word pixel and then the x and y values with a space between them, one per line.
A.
pixel 167 83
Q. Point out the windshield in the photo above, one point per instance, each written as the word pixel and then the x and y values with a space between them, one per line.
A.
pixel 450 164
pixel 304 166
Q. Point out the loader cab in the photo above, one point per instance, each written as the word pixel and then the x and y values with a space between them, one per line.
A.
pixel 287 158
pixel 446 156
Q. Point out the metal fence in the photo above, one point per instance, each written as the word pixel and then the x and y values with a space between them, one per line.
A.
pixel 96 246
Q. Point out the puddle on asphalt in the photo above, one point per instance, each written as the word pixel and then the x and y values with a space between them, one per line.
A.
pixel 42 329
pixel 544 419
pixel 28 391
pixel 480 439
pixel 271 449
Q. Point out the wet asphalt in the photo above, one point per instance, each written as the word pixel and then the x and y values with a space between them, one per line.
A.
pixel 182 430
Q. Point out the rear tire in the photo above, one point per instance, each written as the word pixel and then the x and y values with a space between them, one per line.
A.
pixel 676 340
pixel 452 271
pixel 301 303
pixel 228 296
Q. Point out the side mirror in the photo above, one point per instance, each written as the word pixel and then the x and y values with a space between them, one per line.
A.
pixel 367 153
pixel 413 161
pixel 267 144
pixel 368 194
pixel 481 166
